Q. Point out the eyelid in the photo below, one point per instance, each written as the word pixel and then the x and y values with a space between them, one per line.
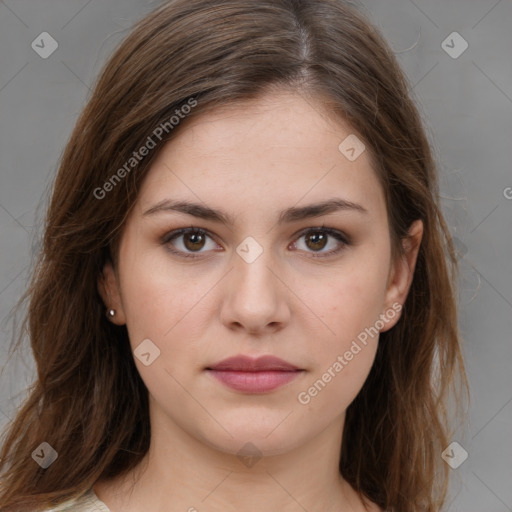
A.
pixel 326 229
pixel 339 235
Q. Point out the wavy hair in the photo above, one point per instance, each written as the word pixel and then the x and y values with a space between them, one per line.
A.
pixel 88 400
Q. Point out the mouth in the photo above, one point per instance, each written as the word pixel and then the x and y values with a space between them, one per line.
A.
pixel 261 375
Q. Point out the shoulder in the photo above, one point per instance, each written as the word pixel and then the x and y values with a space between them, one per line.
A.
pixel 89 502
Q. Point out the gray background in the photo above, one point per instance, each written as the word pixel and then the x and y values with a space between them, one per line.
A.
pixel 466 104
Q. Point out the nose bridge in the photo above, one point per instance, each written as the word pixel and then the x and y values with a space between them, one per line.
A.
pixel 256 296
pixel 255 280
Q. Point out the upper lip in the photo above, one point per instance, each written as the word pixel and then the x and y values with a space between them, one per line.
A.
pixel 243 363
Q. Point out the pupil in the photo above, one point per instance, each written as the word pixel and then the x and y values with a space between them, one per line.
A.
pixel 320 238
pixel 195 238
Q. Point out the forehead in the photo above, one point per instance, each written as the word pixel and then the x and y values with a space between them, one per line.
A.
pixel 279 148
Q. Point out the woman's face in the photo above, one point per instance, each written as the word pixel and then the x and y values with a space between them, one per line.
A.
pixel 272 273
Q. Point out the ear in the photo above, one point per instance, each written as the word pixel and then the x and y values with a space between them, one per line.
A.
pixel 401 273
pixel 108 288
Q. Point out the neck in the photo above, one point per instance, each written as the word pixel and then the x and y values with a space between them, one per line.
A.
pixel 182 472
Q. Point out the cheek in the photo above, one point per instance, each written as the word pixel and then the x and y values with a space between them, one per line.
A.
pixel 159 301
pixel 344 360
pixel 331 391
pixel 354 301
pixel 166 309
pixel 355 295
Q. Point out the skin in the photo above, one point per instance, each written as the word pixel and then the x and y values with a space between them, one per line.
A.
pixel 252 161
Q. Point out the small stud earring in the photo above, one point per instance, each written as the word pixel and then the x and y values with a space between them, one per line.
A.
pixel 111 312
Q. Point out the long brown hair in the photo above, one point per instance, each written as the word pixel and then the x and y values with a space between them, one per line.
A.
pixel 88 401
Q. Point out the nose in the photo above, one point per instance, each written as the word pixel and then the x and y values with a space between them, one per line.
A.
pixel 255 296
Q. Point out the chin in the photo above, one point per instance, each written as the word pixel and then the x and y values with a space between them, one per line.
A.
pixel 254 439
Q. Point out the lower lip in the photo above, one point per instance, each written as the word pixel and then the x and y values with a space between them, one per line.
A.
pixel 254 382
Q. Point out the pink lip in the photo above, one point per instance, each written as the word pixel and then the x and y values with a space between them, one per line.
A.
pixel 260 375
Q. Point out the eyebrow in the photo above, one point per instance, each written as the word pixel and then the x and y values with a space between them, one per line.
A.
pixel 286 216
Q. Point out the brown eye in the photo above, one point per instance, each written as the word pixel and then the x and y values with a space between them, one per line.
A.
pixel 185 242
pixel 193 241
pixel 316 241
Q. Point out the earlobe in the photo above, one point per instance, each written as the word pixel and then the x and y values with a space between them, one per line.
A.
pixel 108 289
pixel 402 270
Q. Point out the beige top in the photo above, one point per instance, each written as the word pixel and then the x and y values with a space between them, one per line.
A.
pixel 89 502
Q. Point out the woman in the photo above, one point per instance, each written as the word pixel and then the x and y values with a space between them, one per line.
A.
pixel 245 297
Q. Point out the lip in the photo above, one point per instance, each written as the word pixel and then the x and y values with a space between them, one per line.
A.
pixel 260 375
pixel 243 363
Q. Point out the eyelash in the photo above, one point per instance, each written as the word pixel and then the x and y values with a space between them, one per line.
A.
pixel 170 236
